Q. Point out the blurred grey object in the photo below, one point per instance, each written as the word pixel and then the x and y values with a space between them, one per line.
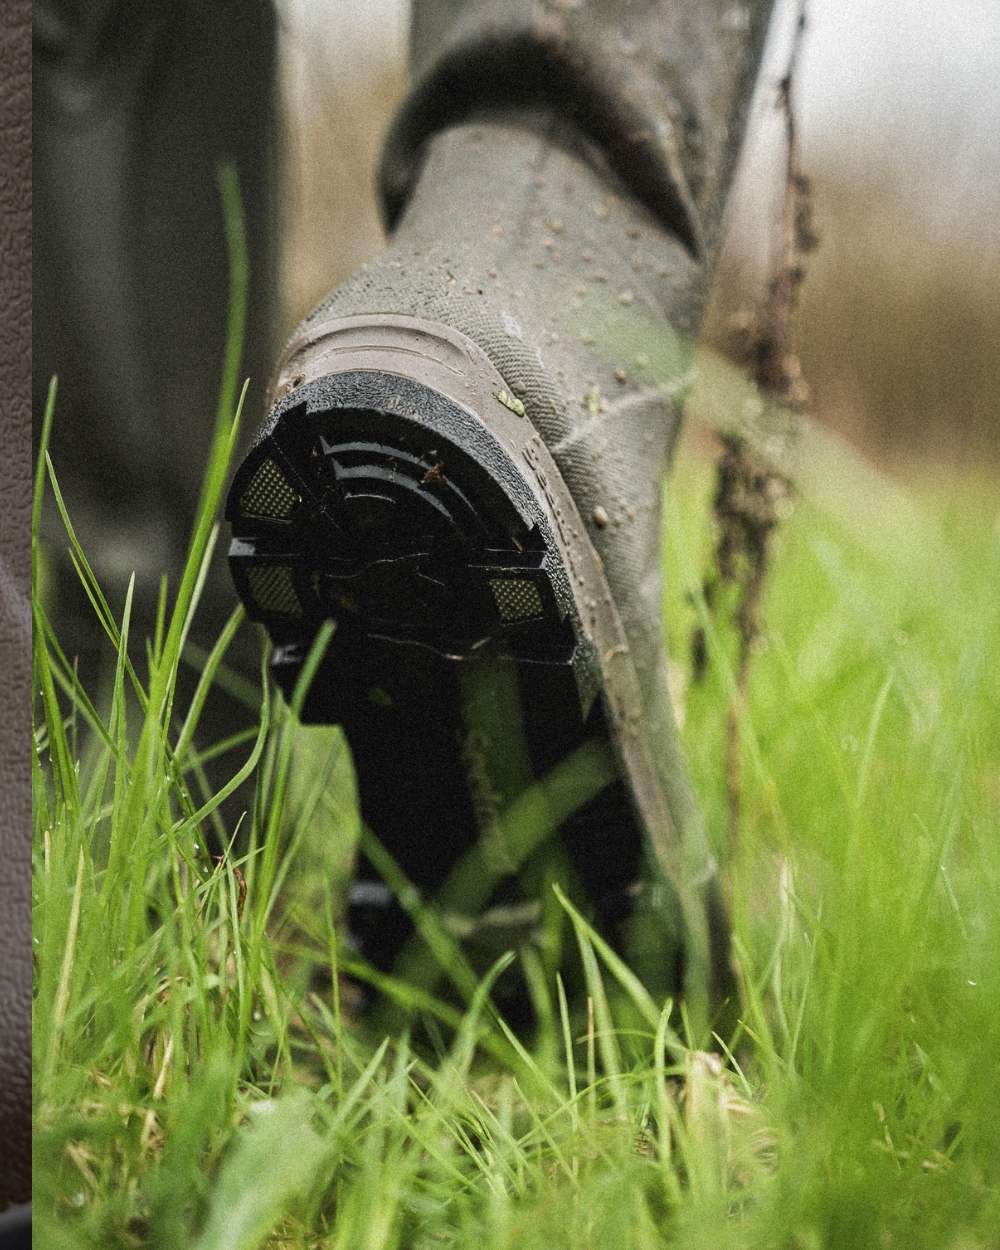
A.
pixel 135 106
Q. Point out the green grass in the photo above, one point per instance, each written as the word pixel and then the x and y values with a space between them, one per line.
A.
pixel 200 1082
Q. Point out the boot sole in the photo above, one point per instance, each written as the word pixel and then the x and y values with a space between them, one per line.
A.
pixel 399 488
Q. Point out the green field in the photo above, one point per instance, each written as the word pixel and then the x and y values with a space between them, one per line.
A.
pixel 201 1082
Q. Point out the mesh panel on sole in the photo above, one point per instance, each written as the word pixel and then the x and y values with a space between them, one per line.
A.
pixel 269 494
pixel 516 599
pixel 273 589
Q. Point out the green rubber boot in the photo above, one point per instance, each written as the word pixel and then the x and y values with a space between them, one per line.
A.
pixel 463 469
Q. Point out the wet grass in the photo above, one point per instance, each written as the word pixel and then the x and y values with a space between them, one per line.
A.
pixel 200 1080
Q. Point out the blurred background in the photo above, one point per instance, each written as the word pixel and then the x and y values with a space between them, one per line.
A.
pixel 898 109
pixel 898 105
